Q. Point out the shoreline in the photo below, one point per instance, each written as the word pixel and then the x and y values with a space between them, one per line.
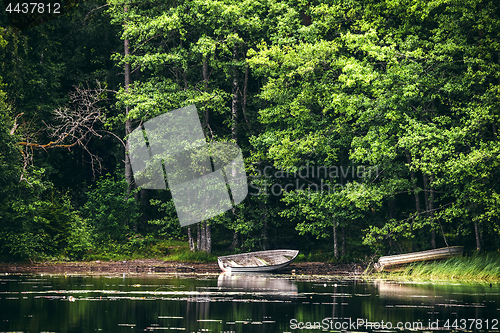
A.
pixel 139 266
pixel 155 266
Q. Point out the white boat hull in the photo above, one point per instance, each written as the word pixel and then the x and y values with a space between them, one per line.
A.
pixel 436 254
pixel 261 261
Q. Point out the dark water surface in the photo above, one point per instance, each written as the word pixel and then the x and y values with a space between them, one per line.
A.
pixel 240 303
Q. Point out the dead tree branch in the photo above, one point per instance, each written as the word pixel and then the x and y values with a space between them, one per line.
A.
pixel 73 125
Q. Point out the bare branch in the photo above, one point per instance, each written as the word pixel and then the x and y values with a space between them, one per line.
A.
pixel 88 14
pixel 16 125
pixel 74 125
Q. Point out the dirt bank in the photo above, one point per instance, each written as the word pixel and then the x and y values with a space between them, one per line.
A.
pixel 159 266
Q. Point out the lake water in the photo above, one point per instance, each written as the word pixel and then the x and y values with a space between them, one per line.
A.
pixel 240 303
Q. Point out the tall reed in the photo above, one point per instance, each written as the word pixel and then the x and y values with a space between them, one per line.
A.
pixel 484 268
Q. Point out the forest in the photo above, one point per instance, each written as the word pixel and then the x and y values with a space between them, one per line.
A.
pixel 367 127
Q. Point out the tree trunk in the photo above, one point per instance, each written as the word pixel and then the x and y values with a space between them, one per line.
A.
pixel 414 184
pixel 184 77
pixel 235 242
pixel 198 237
pixel 234 135
pixel 191 240
pixel 429 206
pixel 479 247
pixel 245 89
pixel 498 235
pixel 433 238
pixel 335 243
pixel 205 84
pixel 392 208
pixel 426 192
pixel 128 123
pixel 208 238
pixel 343 242
pixel 265 243
pixel 234 108
pixel 203 237
pixel 417 199
pixel 143 197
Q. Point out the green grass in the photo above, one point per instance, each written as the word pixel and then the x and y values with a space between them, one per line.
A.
pixel 316 256
pixel 477 268
pixel 192 257
pixel 149 248
pixel 137 248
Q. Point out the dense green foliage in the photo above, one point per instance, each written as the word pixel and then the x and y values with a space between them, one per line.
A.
pixel 367 127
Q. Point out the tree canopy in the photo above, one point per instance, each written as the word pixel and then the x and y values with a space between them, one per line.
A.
pixel 367 127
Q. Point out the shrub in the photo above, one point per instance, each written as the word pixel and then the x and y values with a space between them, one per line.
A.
pixel 110 211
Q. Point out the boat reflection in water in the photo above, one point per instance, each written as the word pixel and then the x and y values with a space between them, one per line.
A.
pixel 406 291
pixel 259 284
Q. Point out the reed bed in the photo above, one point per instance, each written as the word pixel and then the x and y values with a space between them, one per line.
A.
pixel 481 268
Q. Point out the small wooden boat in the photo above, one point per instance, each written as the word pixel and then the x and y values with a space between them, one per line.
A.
pixel 261 261
pixel 389 262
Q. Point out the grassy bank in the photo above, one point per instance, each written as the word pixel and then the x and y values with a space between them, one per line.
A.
pixel 167 250
pixel 477 268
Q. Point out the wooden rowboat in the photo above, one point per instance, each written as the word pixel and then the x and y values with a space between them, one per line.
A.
pixel 400 259
pixel 261 261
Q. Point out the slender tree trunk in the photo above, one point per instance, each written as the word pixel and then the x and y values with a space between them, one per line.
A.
pixel 433 238
pixel 206 235
pixel 426 192
pixel 417 200
pixel 343 242
pixel 235 241
pixel 335 243
pixel 481 239
pixel 335 250
pixel 191 240
pixel 414 184
pixel 184 77
pixel 234 109
pixel 265 243
pixel 208 238
pixel 143 195
pixel 203 236
pixel 431 208
pixel 431 198
pixel 205 84
pixel 479 247
pixel 498 235
pixel 245 90
pixel 128 123
pixel 392 211
pixel 392 208
pixel 234 132
pixel 205 73
pixel 198 237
